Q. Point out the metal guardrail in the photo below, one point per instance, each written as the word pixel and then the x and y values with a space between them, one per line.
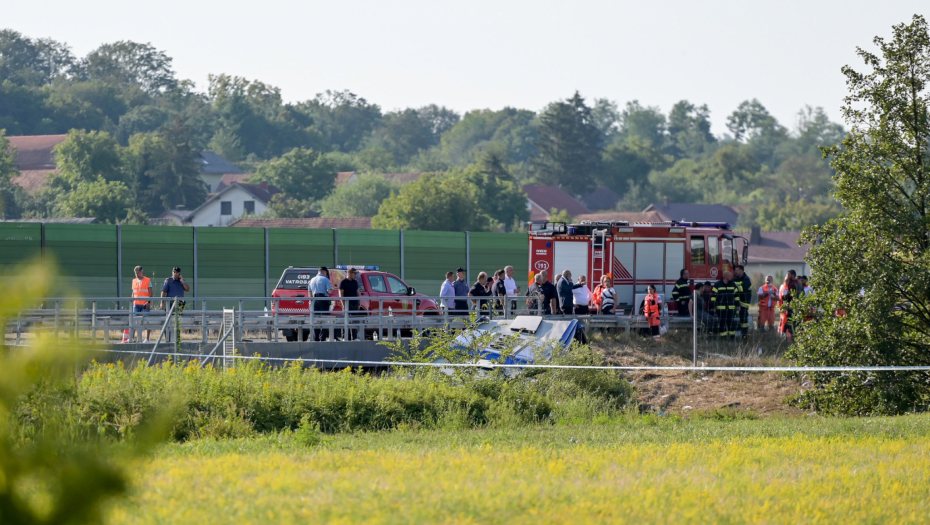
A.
pixel 101 316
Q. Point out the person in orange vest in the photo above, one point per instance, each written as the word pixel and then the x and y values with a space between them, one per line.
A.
pixel 652 309
pixel 141 288
pixel 768 299
pixel 788 290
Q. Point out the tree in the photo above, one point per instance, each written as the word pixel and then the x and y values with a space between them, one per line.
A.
pixel 873 262
pixel 343 119
pixel 569 146
pixel 281 206
pixel 433 203
pixel 106 201
pixel 360 198
pixel 644 123
pixel 127 63
pixel 303 174
pixel 499 196
pixel 794 214
pixel 509 129
pixel 7 171
pixel 752 124
pixel 406 133
pixel 557 215
pixel 85 156
pixel 29 62
pixel 163 171
pixel 689 130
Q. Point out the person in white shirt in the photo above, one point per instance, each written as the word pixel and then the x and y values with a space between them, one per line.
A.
pixel 447 291
pixel 511 285
pixel 583 297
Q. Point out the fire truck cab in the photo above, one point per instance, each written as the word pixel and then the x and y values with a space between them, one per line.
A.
pixel 635 255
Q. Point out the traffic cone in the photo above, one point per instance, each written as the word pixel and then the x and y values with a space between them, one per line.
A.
pixel 126 336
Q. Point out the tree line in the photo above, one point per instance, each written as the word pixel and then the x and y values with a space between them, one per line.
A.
pixel 144 128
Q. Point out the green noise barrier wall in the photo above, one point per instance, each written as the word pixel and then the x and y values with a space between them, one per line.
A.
pixel 98 260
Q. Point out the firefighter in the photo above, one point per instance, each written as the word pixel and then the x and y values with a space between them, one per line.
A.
pixel 744 288
pixel 652 309
pixel 725 299
pixel 681 294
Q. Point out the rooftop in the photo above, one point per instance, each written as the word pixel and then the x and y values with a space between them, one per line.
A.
pixel 548 197
pixel 214 164
pixel 694 212
pixel 35 152
pixel 230 178
pixel 601 198
pixel 775 247
pixel 630 217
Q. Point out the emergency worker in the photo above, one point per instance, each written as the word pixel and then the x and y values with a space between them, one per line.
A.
pixel 142 288
pixel 768 300
pixel 681 294
pixel 652 309
pixel 605 296
pixel 789 290
pixel 744 292
pixel 725 299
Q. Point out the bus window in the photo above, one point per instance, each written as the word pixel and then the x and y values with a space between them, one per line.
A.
pixel 728 253
pixel 713 254
pixel 697 249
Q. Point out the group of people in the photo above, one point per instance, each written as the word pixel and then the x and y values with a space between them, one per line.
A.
pixel 142 289
pixel 563 297
pixel 723 307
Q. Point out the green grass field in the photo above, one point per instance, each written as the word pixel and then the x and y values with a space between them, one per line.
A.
pixel 649 469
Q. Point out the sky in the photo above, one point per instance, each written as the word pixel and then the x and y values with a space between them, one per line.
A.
pixel 492 54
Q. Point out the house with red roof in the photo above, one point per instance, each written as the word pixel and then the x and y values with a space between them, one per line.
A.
pixel 542 199
pixel 34 156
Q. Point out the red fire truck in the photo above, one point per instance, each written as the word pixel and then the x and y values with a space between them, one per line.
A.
pixel 635 255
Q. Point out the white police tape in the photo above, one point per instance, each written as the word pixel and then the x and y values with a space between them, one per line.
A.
pixel 489 365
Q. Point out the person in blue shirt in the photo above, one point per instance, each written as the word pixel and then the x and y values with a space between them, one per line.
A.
pixel 461 290
pixel 320 286
pixel 446 290
pixel 174 286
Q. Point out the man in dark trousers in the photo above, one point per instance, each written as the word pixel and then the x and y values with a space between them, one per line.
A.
pixel 461 290
pixel 320 287
pixel 744 291
pixel 550 295
pixel 724 300
pixel 681 294
pixel 348 287
pixel 566 297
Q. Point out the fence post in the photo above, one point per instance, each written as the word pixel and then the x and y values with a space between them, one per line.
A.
pixel 195 262
pixel 267 269
pixel 119 260
pixel 335 247
pixel 468 257
pixel 695 318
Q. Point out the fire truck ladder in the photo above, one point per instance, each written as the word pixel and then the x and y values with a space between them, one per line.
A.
pixel 599 263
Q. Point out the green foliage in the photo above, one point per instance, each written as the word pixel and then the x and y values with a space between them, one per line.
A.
pixel 108 202
pixel 7 170
pixel 85 157
pixel 361 197
pixel 569 145
pixel 873 262
pixel 163 171
pixel 126 63
pixel 54 466
pixel 433 202
pixel 509 129
pixel 281 206
pixel 303 174
pixel 499 197
pixel 791 215
pixel 557 215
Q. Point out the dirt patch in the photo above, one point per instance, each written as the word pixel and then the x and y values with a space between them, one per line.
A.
pixel 683 392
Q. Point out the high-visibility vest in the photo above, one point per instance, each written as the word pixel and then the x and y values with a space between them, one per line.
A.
pixel 651 308
pixel 140 288
pixel 767 302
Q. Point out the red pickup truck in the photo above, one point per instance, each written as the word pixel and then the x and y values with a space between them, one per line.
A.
pixel 395 296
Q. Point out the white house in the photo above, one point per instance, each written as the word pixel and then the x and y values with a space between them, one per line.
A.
pixel 212 169
pixel 232 202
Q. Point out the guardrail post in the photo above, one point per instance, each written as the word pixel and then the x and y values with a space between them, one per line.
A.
pixel 276 305
pixel 241 325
